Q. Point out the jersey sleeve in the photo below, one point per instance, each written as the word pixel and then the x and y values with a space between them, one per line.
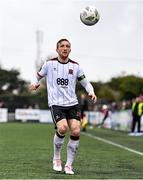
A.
pixel 43 71
pixel 40 74
pixel 84 82
pixel 80 74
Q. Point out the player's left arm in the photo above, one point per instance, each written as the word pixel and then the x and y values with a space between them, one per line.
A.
pixel 86 84
pixel 89 88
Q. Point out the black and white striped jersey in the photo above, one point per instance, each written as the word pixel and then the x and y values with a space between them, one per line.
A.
pixel 61 81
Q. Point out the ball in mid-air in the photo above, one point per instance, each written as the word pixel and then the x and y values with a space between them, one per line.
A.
pixel 89 15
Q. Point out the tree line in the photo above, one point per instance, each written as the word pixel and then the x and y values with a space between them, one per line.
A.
pixel 14 90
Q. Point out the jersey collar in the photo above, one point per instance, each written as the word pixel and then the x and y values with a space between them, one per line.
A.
pixel 62 62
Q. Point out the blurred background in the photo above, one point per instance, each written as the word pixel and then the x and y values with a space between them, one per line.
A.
pixel 110 52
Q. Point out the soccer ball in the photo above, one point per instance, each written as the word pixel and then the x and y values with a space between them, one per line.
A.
pixel 89 15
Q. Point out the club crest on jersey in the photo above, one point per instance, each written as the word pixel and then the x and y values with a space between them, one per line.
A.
pixel 70 71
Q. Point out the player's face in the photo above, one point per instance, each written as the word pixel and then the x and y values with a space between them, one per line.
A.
pixel 63 49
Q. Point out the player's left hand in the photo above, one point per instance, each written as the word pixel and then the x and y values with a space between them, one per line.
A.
pixel 93 97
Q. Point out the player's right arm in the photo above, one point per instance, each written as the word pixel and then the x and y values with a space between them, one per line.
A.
pixel 35 82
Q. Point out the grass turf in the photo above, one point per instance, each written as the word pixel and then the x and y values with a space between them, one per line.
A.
pixel 26 151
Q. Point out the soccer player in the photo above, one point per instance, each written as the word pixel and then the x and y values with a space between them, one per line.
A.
pixel 62 74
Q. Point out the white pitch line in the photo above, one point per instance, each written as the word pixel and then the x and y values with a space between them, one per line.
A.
pixel 114 144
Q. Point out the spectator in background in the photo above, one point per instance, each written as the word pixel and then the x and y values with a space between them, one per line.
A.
pixel 83 107
pixel 114 106
pixel 84 122
pixel 105 112
pixel 137 111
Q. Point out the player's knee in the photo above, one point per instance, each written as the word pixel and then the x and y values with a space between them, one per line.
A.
pixel 63 129
pixel 75 132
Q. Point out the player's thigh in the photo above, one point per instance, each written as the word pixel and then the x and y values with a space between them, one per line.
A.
pixel 74 126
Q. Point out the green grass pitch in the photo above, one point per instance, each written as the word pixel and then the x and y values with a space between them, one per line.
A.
pixel 26 151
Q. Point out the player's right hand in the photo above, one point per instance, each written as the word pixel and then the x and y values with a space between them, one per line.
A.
pixel 33 86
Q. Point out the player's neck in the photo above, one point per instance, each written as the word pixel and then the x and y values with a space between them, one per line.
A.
pixel 63 60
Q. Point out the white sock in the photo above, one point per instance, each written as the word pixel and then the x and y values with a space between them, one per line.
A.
pixel 58 142
pixel 72 147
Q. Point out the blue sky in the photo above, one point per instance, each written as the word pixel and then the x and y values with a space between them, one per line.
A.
pixel 112 47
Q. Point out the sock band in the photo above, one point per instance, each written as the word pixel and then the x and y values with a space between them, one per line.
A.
pixel 75 138
pixel 59 135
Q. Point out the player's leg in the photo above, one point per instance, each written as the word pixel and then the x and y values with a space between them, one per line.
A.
pixel 133 124
pixel 132 133
pixel 58 141
pixel 139 124
pixel 72 145
pixel 62 128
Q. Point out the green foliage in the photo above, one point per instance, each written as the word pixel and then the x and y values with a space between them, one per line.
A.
pixel 109 94
pixel 129 86
pixel 117 89
pixel 11 83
